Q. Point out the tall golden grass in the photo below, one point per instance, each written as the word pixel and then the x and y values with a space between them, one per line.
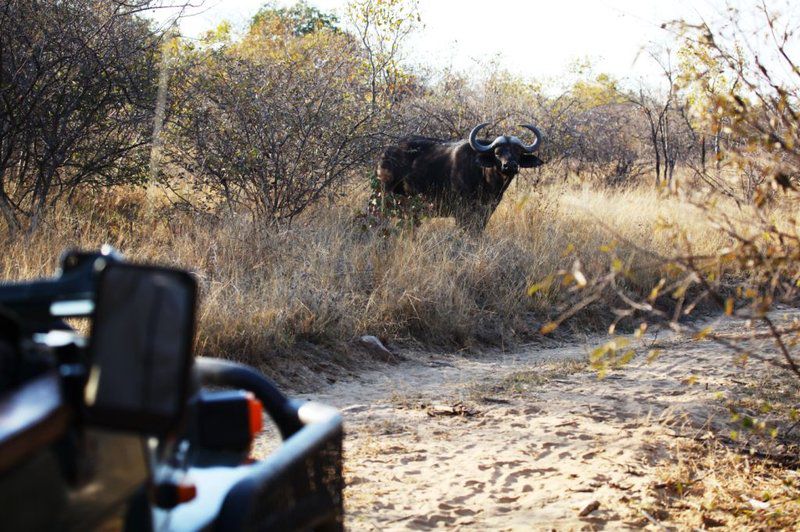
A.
pixel 301 294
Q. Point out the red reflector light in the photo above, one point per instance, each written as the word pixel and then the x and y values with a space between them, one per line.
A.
pixel 256 412
pixel 186 492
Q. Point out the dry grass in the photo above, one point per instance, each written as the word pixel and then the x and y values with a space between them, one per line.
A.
pixel 708 485
pixel 751 482
pixel 300 294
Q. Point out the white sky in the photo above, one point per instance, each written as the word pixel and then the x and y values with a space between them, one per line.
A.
pixel 534 39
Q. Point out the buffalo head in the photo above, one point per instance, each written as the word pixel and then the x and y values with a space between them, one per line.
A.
pixel 507 154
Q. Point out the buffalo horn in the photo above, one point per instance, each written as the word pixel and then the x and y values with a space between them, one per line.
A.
pixel 482 148
pixel 530 148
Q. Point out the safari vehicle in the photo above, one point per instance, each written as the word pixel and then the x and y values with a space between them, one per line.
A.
pixel 124 429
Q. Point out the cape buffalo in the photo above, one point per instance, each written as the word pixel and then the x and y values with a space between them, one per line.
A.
pixel 465 178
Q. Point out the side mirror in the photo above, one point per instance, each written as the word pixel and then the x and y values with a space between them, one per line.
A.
pixel 140 348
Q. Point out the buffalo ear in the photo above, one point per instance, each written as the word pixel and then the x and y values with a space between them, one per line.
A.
pixel 529 160
pixel 486 160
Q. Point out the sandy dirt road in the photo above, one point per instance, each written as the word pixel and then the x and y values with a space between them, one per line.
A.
pixel 529 440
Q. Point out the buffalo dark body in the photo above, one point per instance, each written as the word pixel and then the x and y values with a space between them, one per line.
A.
pixel 465 179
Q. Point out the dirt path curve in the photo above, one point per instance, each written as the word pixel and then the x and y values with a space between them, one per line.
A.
pixel 519 441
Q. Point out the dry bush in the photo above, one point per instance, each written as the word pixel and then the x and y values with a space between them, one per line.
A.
pixel 77 86
pixel 273 122
pixel 271 295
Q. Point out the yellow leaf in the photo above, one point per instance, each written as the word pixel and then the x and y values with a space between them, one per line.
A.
pixel 547 328
pixel 656 289
pixel 653 355
pixel 598 353
pixel 626 357
pixel 544 284
pixel 729 306
pixel 703 333
pixel 653 294
pixel 616 265
pixel 619 343
pixel 608 248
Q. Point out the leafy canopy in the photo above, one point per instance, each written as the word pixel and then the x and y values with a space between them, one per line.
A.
pixel 300 19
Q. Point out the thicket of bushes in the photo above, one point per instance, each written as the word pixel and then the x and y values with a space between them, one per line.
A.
pixel 283 116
